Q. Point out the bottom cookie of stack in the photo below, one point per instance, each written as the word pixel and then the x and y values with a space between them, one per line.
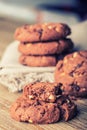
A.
pixel 38 61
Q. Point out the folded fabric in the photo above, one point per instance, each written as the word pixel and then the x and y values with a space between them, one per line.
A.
pixel 14 75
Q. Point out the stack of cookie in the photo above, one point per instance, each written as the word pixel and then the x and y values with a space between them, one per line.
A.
pixel 41 44
pixel 43 103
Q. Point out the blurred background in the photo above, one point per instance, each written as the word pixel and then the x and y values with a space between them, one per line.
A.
pixel 69 11
pixel 14 13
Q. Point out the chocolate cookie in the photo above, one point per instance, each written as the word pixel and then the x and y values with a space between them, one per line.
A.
pixel 42 32
pixel 42 91
pixel 72 73
pixel 36 112
pixel 67 108
pixel 46 48
pixel 51 92
pixel 38 61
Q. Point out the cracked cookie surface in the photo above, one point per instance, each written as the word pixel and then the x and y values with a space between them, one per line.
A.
pixel 42 32
pixel 47 92
pixel 72 73
pixel 67 108
pixel 46 48
pixel 51 93
pixel 34 112
pixel 36 106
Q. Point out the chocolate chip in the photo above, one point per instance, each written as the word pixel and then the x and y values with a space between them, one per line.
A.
pixel 56 90
pixel 40 31
pixel 75 87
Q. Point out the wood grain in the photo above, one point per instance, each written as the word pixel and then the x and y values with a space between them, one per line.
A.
pixel 7 28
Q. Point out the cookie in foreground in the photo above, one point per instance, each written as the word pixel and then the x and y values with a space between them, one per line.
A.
pixel 43 111
pixel 33 111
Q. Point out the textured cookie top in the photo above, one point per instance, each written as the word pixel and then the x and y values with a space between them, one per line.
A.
pixel 72 72
pixel 42 32
pixel 33 111
pixel 73 63
pixel 42 91
pixel 67 107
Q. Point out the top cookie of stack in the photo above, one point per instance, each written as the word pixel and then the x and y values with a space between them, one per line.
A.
pixel 42 32
pixel 41 42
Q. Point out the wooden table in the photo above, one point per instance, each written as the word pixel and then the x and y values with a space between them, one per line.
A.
pixel 7 28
